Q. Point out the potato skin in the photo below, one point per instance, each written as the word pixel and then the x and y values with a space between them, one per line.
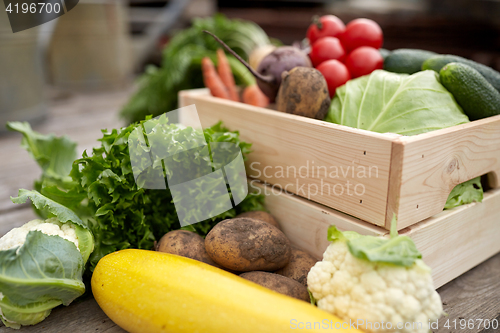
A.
pixel 304 92
pixel 186 244
pixel 278 283
pixel 298 267
pixel 244 244
pixel 261 216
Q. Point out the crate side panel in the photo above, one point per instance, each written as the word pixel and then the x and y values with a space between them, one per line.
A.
pixel 436 163
pixel 454 241
pixel 306 223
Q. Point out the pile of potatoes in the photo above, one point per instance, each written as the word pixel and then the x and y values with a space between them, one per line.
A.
pixel 250 245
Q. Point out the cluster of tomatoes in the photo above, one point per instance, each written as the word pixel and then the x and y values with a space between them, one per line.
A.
pixel 343 52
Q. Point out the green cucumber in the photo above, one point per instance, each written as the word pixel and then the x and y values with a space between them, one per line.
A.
pixel 438 62
pixel 384 53
pixel 407 61
pixel 478 98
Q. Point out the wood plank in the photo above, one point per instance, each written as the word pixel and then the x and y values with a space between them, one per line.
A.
pixel 435 162
pixel 305 222
pixel 451 242
pixel 394 185
pixel 474 295
pixel 317 160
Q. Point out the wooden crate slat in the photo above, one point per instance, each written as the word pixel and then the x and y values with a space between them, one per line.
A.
pixel 454 241
pixel 451 242
pixel 434 163
pixel 305 222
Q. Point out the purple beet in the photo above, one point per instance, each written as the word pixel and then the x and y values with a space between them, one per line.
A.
pixel 268 74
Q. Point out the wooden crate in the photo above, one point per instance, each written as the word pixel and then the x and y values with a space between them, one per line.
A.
pixel 451 242
pixel 365 174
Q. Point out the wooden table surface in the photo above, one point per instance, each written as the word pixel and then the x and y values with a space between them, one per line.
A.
pixel 474 295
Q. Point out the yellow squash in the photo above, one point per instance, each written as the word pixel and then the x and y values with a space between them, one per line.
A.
pixel 147 291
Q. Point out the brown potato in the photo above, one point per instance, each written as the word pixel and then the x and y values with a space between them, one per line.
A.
pixel 186 244
pixel 244 244
pixel 304 92
pixel 278 283
pixel 261 216
pixel 298 267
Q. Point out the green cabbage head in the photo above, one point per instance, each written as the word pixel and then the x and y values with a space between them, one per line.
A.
pixel 42 263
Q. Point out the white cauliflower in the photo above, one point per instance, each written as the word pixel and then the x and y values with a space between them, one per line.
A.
pixel 365 291
pixel 17 236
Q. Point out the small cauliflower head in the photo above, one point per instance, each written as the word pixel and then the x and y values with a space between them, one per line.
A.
pixel 384 294
pixel 17 236
pixel 42 265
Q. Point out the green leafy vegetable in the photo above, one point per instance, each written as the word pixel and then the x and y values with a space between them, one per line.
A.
pixel 396 103
pixel 397 250
pixel 42 274
pixel 335 234
pixel 387 102
pixel 311 297
pixel 41 202
pixel 180 68
pixel 45 270
pixel 465 193
pixel 104 194
pixel 55 155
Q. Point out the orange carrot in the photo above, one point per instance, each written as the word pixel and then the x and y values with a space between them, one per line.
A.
pixel 226 75
pixel 254 96
pixel 212 80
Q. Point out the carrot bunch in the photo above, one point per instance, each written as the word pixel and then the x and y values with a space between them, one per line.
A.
pixel 221 83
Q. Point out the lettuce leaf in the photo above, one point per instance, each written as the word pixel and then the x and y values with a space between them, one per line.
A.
pixel 62 213
pixel 397 250
pixel 54 155
pixel 405 104
pixel 465 193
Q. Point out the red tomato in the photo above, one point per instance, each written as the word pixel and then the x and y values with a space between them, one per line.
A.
pixel 362 32
pixel 331 26
pixel 363 61
pixel 335 73
pixel 326 48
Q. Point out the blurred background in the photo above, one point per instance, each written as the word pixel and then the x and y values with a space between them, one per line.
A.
pixel 104 46
pixel 470 28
